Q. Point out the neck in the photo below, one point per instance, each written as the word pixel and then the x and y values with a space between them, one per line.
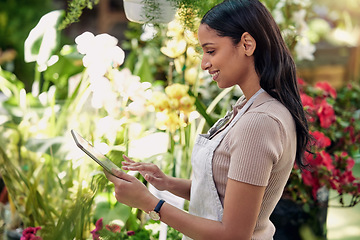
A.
pixel 250 88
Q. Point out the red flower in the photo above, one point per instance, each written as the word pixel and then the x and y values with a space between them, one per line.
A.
pixel 350 130
pixel 301 82
pixel 130 233
pixel 326 114
pixel 113 228
pixel 327 161
pixel 311 181
pixel 307 101
pixel 321 141
pixel 327 89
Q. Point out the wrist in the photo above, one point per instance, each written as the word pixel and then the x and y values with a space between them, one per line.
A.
pixel 150 204
pixel 155 214
pixel 170 183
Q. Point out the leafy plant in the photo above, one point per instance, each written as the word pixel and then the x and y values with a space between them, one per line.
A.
pixel 75 9
pixel 48 183
pixel 189 10
pixel 334 124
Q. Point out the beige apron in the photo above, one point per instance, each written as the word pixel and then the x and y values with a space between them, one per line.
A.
pixel 204 198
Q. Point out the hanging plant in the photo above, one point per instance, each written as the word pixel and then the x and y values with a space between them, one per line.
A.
pixel 147 11
pixel 154 11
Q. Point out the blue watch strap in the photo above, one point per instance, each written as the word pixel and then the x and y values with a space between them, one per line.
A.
pixel 159 205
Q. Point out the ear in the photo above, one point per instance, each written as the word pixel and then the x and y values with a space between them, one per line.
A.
pixel 248 43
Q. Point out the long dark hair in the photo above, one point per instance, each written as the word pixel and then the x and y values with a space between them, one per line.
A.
pixel 273 61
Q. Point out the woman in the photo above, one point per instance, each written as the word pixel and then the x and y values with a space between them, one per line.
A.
pixel 241 166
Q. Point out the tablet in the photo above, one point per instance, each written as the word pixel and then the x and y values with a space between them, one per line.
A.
pixel 95 154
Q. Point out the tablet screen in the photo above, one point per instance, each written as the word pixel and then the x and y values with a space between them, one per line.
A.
pixel 95 154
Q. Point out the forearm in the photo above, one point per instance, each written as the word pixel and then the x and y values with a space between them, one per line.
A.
pixel 180 187
pixel 193 226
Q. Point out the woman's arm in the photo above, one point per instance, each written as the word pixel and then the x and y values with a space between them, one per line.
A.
pixel 152 174
pixel 241 208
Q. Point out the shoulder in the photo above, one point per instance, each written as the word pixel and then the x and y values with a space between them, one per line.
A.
pixel 267 124
pixel 266 104
pixel 267 111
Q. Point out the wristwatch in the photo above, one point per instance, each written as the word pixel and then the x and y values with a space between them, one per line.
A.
pixel 155 214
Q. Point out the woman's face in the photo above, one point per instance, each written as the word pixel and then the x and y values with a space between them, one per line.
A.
pixel 226 62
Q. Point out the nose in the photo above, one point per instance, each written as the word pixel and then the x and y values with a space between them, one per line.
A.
pixel 205 64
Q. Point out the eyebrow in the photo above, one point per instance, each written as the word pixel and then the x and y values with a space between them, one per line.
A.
pixel 206 44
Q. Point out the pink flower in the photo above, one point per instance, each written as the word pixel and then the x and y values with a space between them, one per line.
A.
pixel 29 234
pixel 98 227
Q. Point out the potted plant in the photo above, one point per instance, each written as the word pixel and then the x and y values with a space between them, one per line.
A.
pixel 334 120
pixel 155 11
pixel 147 11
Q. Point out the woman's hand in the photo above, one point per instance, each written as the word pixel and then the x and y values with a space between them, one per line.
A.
pixel 130 191
pixel 149 171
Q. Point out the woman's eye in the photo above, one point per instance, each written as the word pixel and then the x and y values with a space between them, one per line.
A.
pixel 210 52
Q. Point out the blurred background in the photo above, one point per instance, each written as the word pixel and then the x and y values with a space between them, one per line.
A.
pixel 327 50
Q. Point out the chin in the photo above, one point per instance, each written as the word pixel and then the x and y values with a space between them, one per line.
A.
pixel 223 86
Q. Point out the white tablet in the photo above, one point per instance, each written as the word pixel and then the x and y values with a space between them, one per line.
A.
pixel 95 154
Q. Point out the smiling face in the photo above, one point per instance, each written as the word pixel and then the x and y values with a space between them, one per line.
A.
pixel 227 63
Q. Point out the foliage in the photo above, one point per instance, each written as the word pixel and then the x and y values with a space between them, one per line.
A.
pixel 188 10
pixel 334 124
pixel 75 9
pixel 113 104
pixel 114 231
pixel 17 18
pixel 35 135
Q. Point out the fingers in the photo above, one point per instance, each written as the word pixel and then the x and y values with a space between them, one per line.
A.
pixel 127 159
pixel 137 166
pixel 118 175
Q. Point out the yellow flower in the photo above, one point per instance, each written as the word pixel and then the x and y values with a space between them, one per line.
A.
pixel 174 48
pixel 193 58
pixel 187 104
pixel 168 121
pixel 179 63
pixel 190 37
pixel 174 103
pixel 175 28
pixel 160 101
pixel 177 90
pixel 173 121
pixel 191 75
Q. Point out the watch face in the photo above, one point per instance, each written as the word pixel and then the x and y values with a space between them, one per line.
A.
pixel 154 215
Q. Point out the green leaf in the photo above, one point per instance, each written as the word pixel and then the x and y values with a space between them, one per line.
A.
pixel 200 107
pixel 50 146
pixel 59 73
pixel 109 212
pixel 9 84
pixel 142 69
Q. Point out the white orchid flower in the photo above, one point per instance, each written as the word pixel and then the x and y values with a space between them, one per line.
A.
pixel 101 53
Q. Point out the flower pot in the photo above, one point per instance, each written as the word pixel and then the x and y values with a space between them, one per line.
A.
pixel 14 234
pixel 155 11
pixel 292 221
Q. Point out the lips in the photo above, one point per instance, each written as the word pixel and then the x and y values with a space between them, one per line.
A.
pixel 214 75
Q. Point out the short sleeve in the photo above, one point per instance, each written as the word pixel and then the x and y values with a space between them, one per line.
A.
pixel 255 145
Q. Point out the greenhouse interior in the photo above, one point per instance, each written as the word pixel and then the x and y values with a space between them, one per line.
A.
pixel 131 77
